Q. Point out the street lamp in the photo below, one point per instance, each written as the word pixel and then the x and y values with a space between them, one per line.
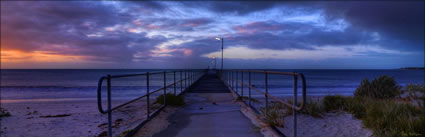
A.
pixel 221 39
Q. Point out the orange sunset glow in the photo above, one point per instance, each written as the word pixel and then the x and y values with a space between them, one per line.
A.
pixel 16 56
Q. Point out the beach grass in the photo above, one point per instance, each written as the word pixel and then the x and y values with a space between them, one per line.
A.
pixel 377 106
pixel 274 114
pixel 171 99
pixel 386 117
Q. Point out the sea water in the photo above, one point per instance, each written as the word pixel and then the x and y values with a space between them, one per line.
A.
pixel 73 84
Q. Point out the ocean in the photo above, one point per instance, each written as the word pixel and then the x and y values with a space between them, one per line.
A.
pixel 72 84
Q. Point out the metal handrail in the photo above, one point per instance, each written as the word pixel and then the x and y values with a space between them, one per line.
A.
pixel 99 88
pixel 229 80
pixel 190 77
pixel 304 91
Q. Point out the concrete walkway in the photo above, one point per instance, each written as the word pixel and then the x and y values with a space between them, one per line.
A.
pixel 210 112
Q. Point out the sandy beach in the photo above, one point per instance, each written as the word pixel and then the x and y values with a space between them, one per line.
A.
pixel 332 124
pixel 67 118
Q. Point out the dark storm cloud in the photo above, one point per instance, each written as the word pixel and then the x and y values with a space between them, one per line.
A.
pixel 233 7
pixel 155 5
pixel 398 20
pixel 80 28
pixel 273 35
pixel 175 24
pixel 401 22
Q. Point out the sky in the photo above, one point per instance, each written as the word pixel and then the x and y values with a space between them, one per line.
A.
pixel 177 35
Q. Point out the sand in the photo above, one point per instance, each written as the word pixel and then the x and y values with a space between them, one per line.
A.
pixel 71 118
pixel 331 125
pixel 337 124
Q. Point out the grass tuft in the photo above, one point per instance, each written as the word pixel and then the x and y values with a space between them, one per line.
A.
pixel 171 99
pixel 334 103
pixel 275 114
pixel 386 117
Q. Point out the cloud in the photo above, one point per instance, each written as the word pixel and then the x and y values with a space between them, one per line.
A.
pixel 72 29
pixel 396 20
pixel 315 53
pixel 167 33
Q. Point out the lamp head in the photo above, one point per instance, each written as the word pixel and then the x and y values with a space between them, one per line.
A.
pixel 218 38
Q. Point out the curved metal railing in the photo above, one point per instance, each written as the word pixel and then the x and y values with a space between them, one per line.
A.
pixel 187 78
pixel 232 82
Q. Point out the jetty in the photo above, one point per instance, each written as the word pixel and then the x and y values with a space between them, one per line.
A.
pixel 210 109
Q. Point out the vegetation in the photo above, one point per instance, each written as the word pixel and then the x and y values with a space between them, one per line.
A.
pixel 386 117
pixel 334 103
pixel 389 119
pixel 416 92
pixel 380 88
pixel 275 114
pixel 171 99
pixel 313 108
pixel 374 103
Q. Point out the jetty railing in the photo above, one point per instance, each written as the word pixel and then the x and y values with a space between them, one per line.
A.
pixel 236 82
pixel 186 79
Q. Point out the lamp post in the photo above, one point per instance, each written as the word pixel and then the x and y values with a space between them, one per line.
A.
pixel 222 50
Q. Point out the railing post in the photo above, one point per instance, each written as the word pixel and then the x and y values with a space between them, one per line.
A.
pixel 233 81
pixel 249 88
pixel 147 95
pixel 295 105
pixel 185 79
pixel 237 79
pixel 165 88
pixel 109 106
pixel 267 92
pixel 242 83
pixel 181 81
pixel 229 78
pixel 174 82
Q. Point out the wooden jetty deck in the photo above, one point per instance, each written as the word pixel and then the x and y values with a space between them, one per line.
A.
pixel 210 112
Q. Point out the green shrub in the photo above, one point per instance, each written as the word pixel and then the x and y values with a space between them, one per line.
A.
pixel 334 103
pixel 171 99
pixel 381 87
